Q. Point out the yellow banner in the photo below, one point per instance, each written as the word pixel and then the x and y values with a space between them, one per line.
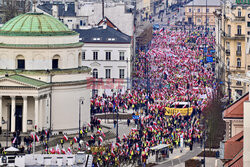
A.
pixel 183 111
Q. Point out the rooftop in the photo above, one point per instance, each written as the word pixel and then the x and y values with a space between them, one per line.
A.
pixel 233 146
pixel 35 24
pixel 29 81
pixel 203 3
pixel 103 35
pixel 235 110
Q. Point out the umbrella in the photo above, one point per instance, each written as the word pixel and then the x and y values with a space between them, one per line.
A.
pixel 12 149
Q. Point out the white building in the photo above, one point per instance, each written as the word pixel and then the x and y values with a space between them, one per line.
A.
pixel 41 75
pixel 81 14
pixel 108 52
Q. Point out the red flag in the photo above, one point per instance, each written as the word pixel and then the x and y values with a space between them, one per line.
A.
pixel 65 138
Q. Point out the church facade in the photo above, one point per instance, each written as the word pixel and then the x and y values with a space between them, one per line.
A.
pixel 43 84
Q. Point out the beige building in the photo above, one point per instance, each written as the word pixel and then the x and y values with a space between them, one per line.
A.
pixel 42 81
pixel 197 11
pixel 232 47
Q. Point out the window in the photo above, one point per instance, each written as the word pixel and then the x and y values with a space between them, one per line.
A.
pixel 248 24
pixel 229 30
pixel 96 39
pixel 238 30
pixel 228 45
pixel 248 67
pixel 81 22
pixel 55 62
pixel 121 55
pixel 238 83
pixel 238 46
pixel 95 55
pixel 190 10
pixel 108 73
pixel 207 20
pixel 207 10
pixel 95 73
pixel 239 13
pixel 20 64
pixel 199 10
pixel 69 20
pixel 198 20
pixel 238 63
pixel 121 73
pixel 228 63
pixel 238 93
pixel 83 55
pixel 108 55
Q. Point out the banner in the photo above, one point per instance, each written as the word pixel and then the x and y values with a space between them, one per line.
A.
pixel 174 111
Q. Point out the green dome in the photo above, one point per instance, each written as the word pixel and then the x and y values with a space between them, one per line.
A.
pixel 35 24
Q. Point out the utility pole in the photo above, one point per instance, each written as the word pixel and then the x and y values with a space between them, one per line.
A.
pixel 103 9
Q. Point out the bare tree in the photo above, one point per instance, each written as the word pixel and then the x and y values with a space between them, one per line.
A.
pixel 11 8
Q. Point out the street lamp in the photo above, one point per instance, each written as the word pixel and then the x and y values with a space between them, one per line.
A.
pixel 81 102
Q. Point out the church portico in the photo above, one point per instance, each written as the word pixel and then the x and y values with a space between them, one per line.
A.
pixel 22 113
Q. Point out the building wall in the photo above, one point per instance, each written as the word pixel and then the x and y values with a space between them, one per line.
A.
pixel 198 15
pixel 40 58
pixel 65 107
pixel 115 64
pixel 246 150
pixel 229 42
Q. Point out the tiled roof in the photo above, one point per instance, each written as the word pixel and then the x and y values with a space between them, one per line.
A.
pixel 237 161
pixel 235 110
pixel 27 80
pixel 233 146
pixel 103 35
pixel 108 22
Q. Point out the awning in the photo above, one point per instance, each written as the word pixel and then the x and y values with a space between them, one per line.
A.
pixel 160 147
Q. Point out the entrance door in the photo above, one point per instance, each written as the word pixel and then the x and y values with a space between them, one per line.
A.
pixel 19 115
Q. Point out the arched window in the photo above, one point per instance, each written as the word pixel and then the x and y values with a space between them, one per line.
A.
pixel 55 62
pixel 20 62
pixel 228 63
pixel 95 73
pixel 238 63
pixel 79 60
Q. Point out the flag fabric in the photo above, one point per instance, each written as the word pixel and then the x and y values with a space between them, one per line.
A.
pixel 14 140
pixel 63 151
pixel 75 139
pixel 37 138
pixel 100 138
pixel 65 138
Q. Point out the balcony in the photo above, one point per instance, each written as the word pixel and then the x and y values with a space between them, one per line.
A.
pixel 239 36
pixel 238 52
pixel 239 18
pixel 228 52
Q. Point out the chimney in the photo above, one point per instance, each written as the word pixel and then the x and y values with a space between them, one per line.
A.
pixel 102 8
pixel 104 26
pixel 76 7
pixel 55 10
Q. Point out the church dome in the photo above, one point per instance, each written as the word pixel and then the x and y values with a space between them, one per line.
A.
pixel 35 24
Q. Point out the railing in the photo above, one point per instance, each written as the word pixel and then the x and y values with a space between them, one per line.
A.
pixel 237 18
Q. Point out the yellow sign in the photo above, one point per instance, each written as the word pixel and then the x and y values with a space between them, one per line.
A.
pixel 182 111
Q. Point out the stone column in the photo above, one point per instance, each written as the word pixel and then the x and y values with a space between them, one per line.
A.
pixel 25 112
pixel 13 110
pixel 36 113
pixel 1 110
pixel 40 122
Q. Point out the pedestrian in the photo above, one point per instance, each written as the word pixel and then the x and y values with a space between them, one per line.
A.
pixel 128 121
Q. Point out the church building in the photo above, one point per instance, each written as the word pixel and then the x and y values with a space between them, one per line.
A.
pixel 43 84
